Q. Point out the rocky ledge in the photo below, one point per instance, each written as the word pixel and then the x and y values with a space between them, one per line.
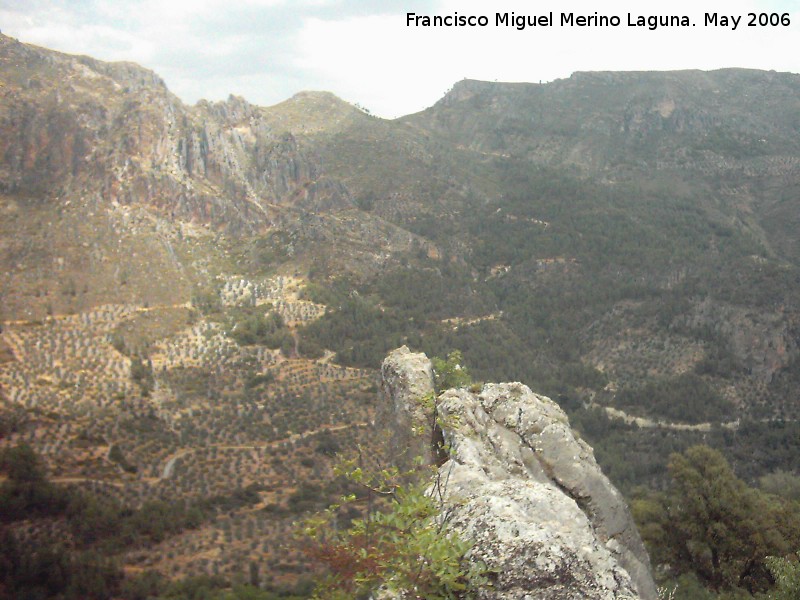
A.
pixel 517 482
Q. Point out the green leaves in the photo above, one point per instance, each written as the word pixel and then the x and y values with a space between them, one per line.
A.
pixel 786 574
pixel 405 547
pixel 252 325
pixel 450 373
pixel 714 525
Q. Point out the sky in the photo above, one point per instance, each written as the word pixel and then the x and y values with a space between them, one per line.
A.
pixel 366 53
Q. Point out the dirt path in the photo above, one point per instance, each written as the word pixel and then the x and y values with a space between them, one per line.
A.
pixel 68 480
pixel 169 468
pixel 647 423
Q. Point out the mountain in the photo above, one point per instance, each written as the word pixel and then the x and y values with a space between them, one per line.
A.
pixel 195 300
pixel 652 214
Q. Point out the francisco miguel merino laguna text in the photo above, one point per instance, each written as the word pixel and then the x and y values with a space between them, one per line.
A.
pixel 520 22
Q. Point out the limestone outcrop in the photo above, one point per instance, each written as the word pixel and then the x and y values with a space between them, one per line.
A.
pixel 407 392
pixel 74 126
pixel 517 482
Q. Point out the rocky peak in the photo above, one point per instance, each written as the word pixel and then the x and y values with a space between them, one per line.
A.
pixel 233 111
pixel 407 391
pixel 309 113
pixel 73 124
pixel 130 75
pixel 518 483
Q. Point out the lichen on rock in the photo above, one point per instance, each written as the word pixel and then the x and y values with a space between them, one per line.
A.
pixel 520 486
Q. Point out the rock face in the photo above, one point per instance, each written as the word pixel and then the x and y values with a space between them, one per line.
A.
pixel 74 125
pixel 542 516
pixel 407 391
pixel 762 343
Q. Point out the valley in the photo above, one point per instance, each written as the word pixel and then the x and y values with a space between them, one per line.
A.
pixel 195 300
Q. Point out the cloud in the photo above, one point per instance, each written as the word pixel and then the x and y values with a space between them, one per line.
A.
pixel 395 69
pixel 267 50
pixel 375 61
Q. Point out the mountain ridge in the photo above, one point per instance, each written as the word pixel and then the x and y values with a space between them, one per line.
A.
pixel 313 164
pixel 202 286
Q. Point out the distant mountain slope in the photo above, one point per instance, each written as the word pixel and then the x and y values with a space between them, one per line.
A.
pixel 635 207
pixel 598 119
pixel 733 132
pixel 105 153
pixel 208 289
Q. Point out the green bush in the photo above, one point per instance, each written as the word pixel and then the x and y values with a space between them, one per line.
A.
pixel 450 372
pixel 406 546
pixel 142 375
pixel 711 525
pixel 786 572
pixel 687 398
pixel 251 326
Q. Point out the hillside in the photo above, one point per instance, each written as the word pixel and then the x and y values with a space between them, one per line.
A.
pixel 195 299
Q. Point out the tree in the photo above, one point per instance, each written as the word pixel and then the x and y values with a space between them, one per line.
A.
pixel 21 463
pixel 781 483
pixel 451 372
pixel 720 528
pixel 142 375
pixel 26 493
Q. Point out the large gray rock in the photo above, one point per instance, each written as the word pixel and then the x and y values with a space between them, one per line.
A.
pixel 405 413
pixel 541 515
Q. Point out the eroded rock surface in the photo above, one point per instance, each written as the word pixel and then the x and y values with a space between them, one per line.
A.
pixel 543 518
pixel 406 408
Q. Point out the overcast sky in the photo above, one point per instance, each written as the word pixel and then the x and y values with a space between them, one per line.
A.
pixel 267 50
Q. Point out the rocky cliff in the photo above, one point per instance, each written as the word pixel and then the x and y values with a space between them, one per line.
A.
pixel 541 515
pixel 632 118
pixel 74 124
pixel 105 174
